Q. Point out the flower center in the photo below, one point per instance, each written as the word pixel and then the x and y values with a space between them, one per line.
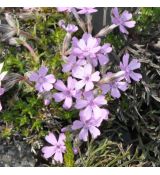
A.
pixel 87 78
pixel 41 80
pixel 67 93
pixel 91 103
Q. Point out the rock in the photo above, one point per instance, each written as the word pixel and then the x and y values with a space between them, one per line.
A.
pixel 16 154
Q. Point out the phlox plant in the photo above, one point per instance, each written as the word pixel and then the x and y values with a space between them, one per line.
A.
pixel 87 85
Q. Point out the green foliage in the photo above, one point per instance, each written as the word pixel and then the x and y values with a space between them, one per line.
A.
pixel 106 153
pixel 69 155
pixel 147 18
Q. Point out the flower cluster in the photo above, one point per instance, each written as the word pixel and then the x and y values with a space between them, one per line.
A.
pixel 86 88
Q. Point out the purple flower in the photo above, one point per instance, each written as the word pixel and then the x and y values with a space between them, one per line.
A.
pixel 87 10
pixel 114 87
pixel 122 21
pixel 72 64
pixel 1 93
pixel 67 92
pixel 129 68
pixel 70 28
pixel 87 47
pixel 88 125
pixel 91 104
pixel 57 149
pixel 86 76
pixel 43 81
pixel 102 55
pixel 64 9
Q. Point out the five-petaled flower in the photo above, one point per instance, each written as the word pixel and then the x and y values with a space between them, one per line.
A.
pixel 86 76
pixel 91 104
pixel 43 81
pixel 57 149
pixel 129 68
pixel 122 21
pixel 114 86
pixel 70 28
pixel 86 47
pixel 89 125
pixel 67 92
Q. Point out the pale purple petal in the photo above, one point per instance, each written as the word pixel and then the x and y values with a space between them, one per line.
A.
pixel 48 151
pixel 123 29
pixel 43 71
pixel 50 138
pixel 83 135
pixel 71 83
pixel 61 139
pixel 130 24
pixel 34 77
pixel 86 114
pixel 95 132
pixel 126 16
pixel 80 103
pixel 105 88
pixel 39 87
pixel 115 12
pixel 106 48
pixel 78 73
pixel 89 86
pixel 88 69
pixel 134 64
pixel 96 112
pixel 123 86
pixel 103 59
pixel 77 125
pixel 67 103
pixel 100 100
pixel 67 67
pixel 135 76
pixel 59 85
pixel 80 84
pixel 115 92
pixel 58 157
pixel 47 86
pixel 81 44
pixel 50 78
pixel 125 59
pixel 95 76
pixel 58 97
